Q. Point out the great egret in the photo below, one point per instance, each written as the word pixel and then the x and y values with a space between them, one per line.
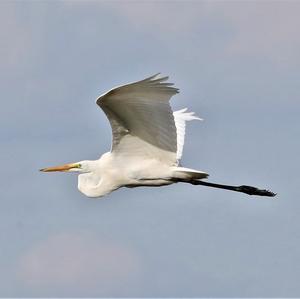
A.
pixel 147 143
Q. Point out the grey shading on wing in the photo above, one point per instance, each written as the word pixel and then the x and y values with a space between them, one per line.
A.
pixel 141 119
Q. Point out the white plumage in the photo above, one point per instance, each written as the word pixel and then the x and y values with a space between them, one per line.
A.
pixel 147 142
pixel 142 120
pixel 181 117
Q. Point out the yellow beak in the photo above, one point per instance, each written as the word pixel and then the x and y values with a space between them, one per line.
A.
pixel 65 167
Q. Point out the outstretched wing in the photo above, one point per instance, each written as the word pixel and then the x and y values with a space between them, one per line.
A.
pixel 181 117
pixel 142 120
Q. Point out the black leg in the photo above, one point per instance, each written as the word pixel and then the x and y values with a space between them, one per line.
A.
pixel 245 189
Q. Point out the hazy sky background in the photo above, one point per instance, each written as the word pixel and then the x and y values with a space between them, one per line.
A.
pixel 237 65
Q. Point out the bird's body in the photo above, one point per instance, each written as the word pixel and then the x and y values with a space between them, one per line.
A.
pixel 110 173
pixel 147 143
pixel 113 175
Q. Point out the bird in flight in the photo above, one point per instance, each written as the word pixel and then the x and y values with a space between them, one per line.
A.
pixel 147 143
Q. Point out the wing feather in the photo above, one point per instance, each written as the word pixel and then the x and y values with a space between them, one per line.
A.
pixel 141 119
pixel 181 117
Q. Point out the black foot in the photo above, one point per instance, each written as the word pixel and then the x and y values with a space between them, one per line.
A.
pixel 255 191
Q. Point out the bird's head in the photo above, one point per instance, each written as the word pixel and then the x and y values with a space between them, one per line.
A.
pixel 82 166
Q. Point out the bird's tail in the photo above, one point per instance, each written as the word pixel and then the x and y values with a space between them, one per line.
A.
pixel 183 173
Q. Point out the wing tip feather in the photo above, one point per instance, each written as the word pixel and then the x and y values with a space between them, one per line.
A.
pixel 155 81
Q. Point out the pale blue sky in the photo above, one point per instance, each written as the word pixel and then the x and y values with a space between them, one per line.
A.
pixel 237 66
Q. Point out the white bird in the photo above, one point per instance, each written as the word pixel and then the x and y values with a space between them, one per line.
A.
pixel 147 143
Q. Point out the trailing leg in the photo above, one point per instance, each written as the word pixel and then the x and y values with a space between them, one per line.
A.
pixel 243 188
